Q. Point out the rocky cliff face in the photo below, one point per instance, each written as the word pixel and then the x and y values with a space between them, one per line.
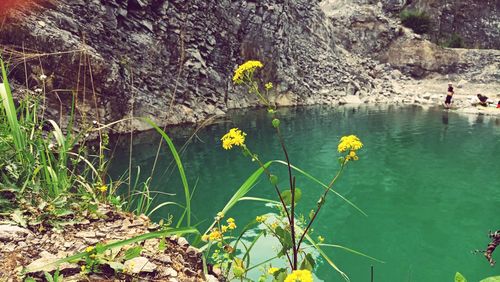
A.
pixel 477 22
pixel 143 56
pixel 172 60
pixel 373 29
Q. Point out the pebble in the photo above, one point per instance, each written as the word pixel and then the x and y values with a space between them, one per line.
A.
pixel 182 241
pixel 169 271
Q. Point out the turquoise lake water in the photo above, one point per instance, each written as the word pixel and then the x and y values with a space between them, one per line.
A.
pixel 428 180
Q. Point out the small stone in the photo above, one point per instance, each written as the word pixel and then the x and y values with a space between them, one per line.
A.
pixel 41 23
pixel 169 271
pixel 91 241
pixel 139 264
pixel 182 241
pixel 100 234
pixel 211 278
pixel 192 250
pixel 11 232
pixel 85 234
pixel 189 272
pixel 164 258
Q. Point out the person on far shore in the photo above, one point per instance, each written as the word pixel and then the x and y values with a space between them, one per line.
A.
pixel 447 102
pixel 498 105
pixel 483 100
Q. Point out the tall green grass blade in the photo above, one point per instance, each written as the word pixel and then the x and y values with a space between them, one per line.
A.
pixel 61 140
pixel 325 256
pixel 242 191
pixel 10 111
pixel 178 161
pixel 257 199
pixel 163 205
pixel 351 251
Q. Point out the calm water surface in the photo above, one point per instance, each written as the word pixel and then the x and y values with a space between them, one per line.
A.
pixel 428 180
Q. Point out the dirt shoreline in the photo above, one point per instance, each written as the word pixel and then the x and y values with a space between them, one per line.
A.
pixel 176 260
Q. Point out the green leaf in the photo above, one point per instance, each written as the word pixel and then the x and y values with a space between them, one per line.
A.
pixel 285 239
pixel 459 277
pixel 280 275
pixel 238 271
pixel 273 179
pixel 62 212
pixel 276 123
pixel 133 252
pixel 48 276
pixel 491 279
pixel 17 217
pixel 162 246
pixel 287 196
pixel 308 263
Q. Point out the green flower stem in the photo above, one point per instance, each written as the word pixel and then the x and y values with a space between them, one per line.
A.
pixel 253 88
pixel 321 202
pixel 268 173
pixel 292 203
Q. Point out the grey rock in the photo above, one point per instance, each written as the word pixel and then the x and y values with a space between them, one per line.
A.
pixel 182 241
pixel 12 233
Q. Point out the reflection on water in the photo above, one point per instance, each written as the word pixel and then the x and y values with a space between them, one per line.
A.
pixel 421 180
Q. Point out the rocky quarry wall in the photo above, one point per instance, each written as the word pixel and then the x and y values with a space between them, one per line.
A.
pixel 173 60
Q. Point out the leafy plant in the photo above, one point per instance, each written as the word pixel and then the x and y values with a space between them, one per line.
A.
pixel 418 21
pixel 290 229
pixel 460 278
pixel 454 41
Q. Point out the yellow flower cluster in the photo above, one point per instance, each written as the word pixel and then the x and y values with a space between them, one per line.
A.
pixel 231 224
pixel 247 67
pixel 217 234
pixel 89 249
pixel 103 188
pixel 268 85
pixel 214 235
pixel 299 276
pixel 350 143
pixel 234 137
pixel 272 270
pixel 261 219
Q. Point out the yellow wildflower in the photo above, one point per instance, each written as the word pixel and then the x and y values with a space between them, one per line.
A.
pixel 231 224
pixel 321 239
pixel 215 235
pixel 103 188
pixel 351 143
pixel 352 156
pixel 205 237
pixel 246 68
pixel 234 137
pixel 299 276
pixel 89 249
pixel 274 225
pixel 261 219
pixel 272 270
pixel 268 85
pixel 223 228
pixel 82 269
